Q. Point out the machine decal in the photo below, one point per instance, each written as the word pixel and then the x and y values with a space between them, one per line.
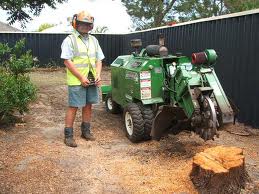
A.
pixel 158 70
pixel 145 83
pixel 145 93
pixel 131 75
pixel 145 75
pixel 136 64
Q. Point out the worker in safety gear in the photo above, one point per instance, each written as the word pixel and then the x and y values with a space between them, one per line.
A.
pixel 83 57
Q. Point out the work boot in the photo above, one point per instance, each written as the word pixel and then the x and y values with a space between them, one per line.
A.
pixel 86 133
pixel 69 141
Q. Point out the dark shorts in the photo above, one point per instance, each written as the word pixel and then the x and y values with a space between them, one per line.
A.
pixel 79 96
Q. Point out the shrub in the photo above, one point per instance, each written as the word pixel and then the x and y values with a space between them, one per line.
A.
pixel 16 89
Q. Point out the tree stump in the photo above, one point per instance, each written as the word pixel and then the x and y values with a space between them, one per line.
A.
pixel 219 170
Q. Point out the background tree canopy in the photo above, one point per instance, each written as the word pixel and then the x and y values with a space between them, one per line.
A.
pixel 144 13
pixel 100 29
pixel 20 10
pixel 153 13
pixel 196 9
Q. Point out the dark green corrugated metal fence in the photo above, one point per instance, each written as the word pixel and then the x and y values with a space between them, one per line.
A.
pixel 235 38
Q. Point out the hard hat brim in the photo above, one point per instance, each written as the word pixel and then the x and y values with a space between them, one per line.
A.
pixel 84 22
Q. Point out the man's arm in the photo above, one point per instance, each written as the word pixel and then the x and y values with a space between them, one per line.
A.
pixel 70 65
pixel 99 57
pixel 98 70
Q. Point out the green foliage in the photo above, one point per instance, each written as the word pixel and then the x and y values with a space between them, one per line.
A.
pixel 195 9
pixel 100 29
pixel 16 61
pixel 16 89
pixel 18 48
pixel 15 93
pixel 4 50
pixel 149 13
pixel 241 5
pixel 20 65
pixel 20 10
pixel 152 13
pixel 45 26
pixel 4 53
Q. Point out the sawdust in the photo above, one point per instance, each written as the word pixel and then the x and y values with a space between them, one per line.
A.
pixel 34 158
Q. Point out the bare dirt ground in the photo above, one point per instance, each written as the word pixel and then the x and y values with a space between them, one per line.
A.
pixel 34 158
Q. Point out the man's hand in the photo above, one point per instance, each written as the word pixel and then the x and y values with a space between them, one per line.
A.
pixel 84 81
pixel 98 80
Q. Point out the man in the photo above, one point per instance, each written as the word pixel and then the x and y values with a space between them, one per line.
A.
pixel 83 57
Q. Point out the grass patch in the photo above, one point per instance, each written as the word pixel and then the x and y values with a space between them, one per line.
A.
pixel 48 77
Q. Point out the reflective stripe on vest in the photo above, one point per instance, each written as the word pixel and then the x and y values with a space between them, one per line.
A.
pixel 81 65
pixel 84 58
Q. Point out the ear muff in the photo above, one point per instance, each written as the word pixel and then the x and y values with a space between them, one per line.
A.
pixel 92 25
pixel 74 21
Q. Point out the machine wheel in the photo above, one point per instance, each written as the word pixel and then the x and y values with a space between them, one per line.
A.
pixel 148 117
pixel 111 106
pixel 134 122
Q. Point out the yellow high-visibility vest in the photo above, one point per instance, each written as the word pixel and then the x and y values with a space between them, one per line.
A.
pixel 84 58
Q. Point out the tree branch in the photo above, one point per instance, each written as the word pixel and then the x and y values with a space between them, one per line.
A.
pixel 168 8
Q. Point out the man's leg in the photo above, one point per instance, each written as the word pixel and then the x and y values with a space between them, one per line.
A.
pixel 68 131
pixel 86 119
pixel 87 113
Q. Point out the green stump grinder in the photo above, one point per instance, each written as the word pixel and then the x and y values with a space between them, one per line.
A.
pixel 161 93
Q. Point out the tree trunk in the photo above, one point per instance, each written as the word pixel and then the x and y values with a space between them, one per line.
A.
pixel 219 170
